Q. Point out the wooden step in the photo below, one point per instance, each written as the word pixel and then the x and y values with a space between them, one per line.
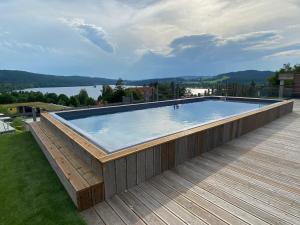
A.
pixel 84 187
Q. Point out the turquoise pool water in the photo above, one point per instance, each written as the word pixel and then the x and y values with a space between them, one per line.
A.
pixel 119 130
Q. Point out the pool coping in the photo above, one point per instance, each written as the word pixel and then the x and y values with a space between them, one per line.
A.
pixel 105 157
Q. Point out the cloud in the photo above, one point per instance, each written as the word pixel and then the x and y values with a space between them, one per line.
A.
pixel 211 54
pixel 92 33
pixel 148 38
pixel 288 53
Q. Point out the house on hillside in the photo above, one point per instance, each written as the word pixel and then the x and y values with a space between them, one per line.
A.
pixel 145 91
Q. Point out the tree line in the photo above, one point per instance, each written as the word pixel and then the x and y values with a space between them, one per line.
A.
pixel 82 99
pixel 287 68
pixel 108 95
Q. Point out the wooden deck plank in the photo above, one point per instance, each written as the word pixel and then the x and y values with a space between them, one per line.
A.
pixel 250 180
pixel 186 202
pixel 255 167
pixel 155 206
pixel 219 202
pixel 107 214
pixel 267 206
pixel 249 189
pixel 257 215
pixel 140 209
pixel 199 200
pixel 91 217
pixel 124 212
pixel 171 205
pixel 256 164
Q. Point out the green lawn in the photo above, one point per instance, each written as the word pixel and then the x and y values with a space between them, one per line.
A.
pixel 42 105
pixel 30 192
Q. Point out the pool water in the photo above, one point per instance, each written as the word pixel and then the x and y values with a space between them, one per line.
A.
pixel 120 130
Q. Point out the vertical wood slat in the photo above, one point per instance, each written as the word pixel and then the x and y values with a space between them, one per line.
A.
pixel 121 175
pixel 164 157
pixel 157 159
pixel 131 170
pixel 181 150
pixel 200 143
pixel 109 176
pixel 171 154
pixel 149 163
pixel 141 167
pixel 168 155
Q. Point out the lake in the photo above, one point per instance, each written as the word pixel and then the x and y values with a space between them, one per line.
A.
pixel 92 91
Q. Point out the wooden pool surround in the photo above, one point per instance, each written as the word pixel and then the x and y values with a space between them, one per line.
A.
pixel 133 165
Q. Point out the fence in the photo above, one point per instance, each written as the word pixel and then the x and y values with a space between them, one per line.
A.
pixel 240 90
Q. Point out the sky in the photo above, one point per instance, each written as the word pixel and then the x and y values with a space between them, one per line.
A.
pixel 139 39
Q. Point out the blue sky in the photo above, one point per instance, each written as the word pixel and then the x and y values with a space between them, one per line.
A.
pixel 148 38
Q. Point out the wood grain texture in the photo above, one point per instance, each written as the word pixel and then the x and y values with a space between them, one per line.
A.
pixel 94 151
pixel 254 179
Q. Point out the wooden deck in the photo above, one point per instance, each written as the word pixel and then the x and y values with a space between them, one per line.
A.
pixel 254 179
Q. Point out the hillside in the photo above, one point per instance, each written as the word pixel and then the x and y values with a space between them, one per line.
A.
pixel 233 77
pixel 246 76
pixel 13 79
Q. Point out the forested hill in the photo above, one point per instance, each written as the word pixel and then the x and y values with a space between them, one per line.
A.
pixel 243 77
pixel 13 79
pixel 246 76
pixel 20 79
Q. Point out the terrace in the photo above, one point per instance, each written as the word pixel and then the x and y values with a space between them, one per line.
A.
pixel 251 180
pixel 210 174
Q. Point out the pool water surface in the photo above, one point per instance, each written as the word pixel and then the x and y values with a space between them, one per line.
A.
pixel 120 130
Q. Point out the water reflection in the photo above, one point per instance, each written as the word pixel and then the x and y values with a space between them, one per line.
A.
pixel 119 130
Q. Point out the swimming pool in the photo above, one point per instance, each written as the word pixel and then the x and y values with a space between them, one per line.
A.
pixel 113 130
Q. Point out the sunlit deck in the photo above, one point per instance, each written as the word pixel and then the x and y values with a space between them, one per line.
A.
pixel 254 179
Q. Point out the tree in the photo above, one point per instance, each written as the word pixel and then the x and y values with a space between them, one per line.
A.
pixel 51 98
pixel 120 83
pixel 287 68
pixel 119 91
pixel 63 100
pixel 107 94
pixel 83 97
pixel 91 101
pixel 6 98
pixel 74 101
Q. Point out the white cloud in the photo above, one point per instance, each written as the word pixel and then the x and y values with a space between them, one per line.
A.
pixel 92 33
pixel 133 29
pixel 288 53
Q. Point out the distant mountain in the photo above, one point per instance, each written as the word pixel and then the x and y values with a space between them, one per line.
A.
pixel 22 79
pixel 246 76
pixel 14 79
pixel 233 77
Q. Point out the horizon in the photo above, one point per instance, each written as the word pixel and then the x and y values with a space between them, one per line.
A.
pixel 148 39
pixel 150 78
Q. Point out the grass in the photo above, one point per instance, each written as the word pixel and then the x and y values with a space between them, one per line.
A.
pixel 42 105
pixel 30 192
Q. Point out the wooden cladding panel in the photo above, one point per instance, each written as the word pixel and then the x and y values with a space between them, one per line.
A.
pixel 141 167
pixel 153 161
pixel 126 172
pixel 168 155
pixel 120 174
pixel 109 176
pixel 157 160
pixel 149 163
pixel 130 170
